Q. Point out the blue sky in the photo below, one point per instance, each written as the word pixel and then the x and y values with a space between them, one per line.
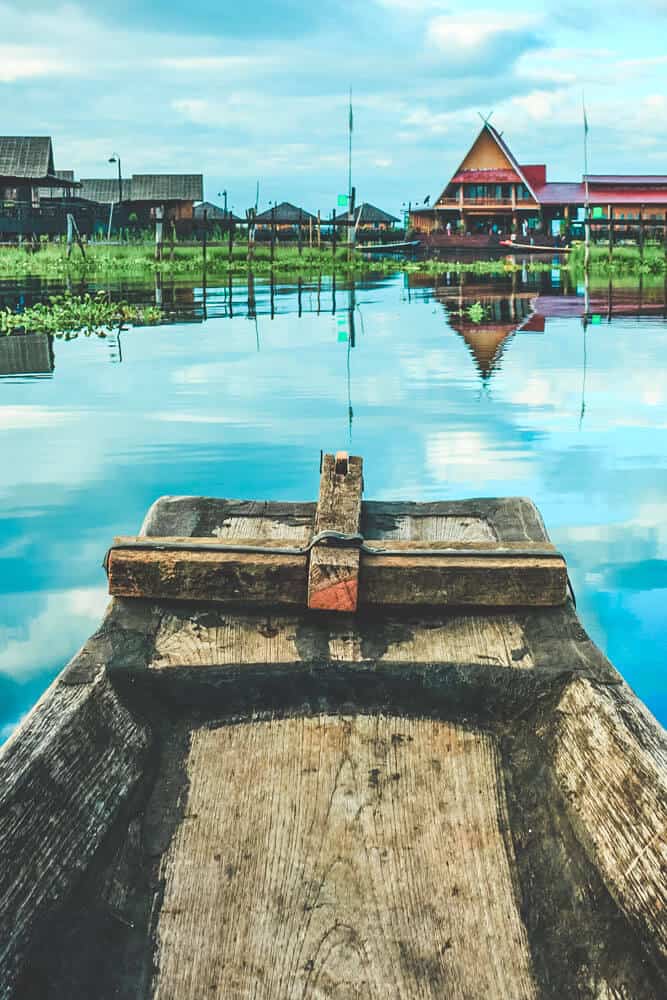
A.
pixel 258 91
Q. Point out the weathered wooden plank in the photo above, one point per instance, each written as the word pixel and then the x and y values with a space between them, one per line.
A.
pixel 610 761
pixel 64 777
pixel 220 638
pixel 505 581
pixel 347 857
pixel 230 577
pixel 194 572
pixel 333 574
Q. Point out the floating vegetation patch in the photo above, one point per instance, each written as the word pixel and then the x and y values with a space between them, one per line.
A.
pixel 476 312
pixel 76 314
pixel 625 259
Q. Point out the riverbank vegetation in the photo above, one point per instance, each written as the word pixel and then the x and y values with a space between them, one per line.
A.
pixel 50 260
pixel 137 260
pixel 73 314
pixel 625 259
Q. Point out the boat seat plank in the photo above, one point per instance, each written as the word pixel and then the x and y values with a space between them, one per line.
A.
pixel 216 639
pixel 332 856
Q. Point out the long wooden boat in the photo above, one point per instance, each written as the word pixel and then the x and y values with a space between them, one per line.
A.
pixel 534 247
pixel 400 246
pixel 241 786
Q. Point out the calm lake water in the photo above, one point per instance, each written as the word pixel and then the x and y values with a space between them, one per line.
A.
pixel 238 392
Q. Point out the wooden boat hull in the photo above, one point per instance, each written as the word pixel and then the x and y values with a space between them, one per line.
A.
pixel 228 803
pixel 534 248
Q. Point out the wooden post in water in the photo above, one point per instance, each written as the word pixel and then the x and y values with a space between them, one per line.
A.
pixel 203 261
pixel 250 215
pixel 273 233
pixel 72 234
pixel 159 215
pixel 333 237
pixel 641 234
pixel 611 232
pixel 231 238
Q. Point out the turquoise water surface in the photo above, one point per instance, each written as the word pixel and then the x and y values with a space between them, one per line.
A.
pixel 529 401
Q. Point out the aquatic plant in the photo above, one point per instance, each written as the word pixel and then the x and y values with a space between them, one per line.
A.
pixel 476 312
pixel 76 314
pixel 626 258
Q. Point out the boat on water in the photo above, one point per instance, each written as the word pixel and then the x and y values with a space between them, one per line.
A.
pixel 378 248
pixel 534 247
pixel 336 749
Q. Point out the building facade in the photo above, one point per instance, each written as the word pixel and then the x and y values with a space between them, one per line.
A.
pixel 492 194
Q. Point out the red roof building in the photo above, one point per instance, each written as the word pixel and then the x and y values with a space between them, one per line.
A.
pixel 491 192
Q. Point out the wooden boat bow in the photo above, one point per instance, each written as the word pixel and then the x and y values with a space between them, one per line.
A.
pixel 436 794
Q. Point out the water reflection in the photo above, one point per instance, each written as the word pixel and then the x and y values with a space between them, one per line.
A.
pixel 541 390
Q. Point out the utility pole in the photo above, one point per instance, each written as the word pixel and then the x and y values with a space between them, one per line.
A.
pixel 115 158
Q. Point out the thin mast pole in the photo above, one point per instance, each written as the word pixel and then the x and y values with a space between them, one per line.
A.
pixel 349 149
pixel 587 210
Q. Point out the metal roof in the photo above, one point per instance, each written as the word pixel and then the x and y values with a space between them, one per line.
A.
pixel 284 213
pixel 367 213
pixel 27 158
pixel 157 188
pixel 556 193
pixel 166 187
pixel 214 212
pixel 648 179
pixel 102 189
pixel 618 196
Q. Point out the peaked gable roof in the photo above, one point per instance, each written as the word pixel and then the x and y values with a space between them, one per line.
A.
pixel 214 212
pixel 513 165
pixel 144 187
pixel 285 212
pixel 26 157
pixel 368 213
pixel 166 187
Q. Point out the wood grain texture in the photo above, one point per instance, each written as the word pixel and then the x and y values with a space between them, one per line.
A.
pixel 342 857
pixel 610 761
pixel 505 581
pixel 64 776
pixel 403 579
pixel 333 574
pixel 212 639
pixel 234 578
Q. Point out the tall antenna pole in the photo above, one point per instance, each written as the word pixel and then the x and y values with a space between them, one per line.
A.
pixel 587 210
pixel 349 148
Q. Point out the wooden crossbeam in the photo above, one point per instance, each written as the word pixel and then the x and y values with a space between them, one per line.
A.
pixel 339 573
pixel 333 574
pixel 200 569
pixel 482 574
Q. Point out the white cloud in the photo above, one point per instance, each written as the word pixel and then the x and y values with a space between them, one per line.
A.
pixel 473 31
pixel 17 418
pixel 467 454
pixel 53 635
pixel 19 62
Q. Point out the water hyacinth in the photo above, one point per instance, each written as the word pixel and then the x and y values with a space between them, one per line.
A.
pixel 67 313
